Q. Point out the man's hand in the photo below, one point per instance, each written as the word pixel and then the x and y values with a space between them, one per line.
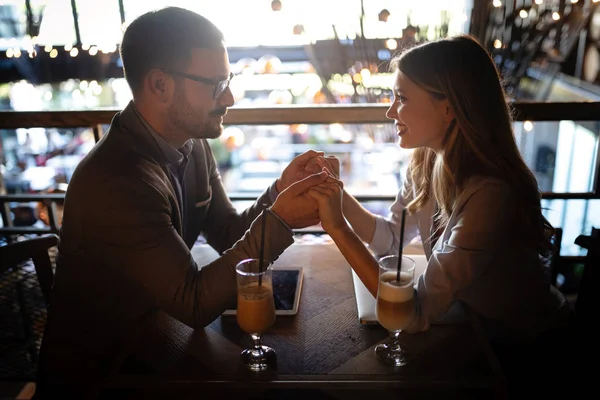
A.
pixel 299 168
pixel 295 206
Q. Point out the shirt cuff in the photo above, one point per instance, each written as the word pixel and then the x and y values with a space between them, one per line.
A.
pixel 280 220
pixel 272 192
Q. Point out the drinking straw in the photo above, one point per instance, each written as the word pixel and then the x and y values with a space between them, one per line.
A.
pixel 401 244
pixel 263 225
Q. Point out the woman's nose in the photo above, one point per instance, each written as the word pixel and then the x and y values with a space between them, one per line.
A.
pixel 391 112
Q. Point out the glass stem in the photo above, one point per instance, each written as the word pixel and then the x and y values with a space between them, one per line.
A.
pixel 395 343
pixel 257 342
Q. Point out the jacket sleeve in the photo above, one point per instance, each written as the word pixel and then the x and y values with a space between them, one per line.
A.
pixel 224 225
pixel 145 252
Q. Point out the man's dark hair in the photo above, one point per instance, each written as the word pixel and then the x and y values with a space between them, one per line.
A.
pixel 164 39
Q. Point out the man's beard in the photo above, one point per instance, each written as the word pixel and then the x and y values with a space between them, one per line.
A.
pixel 182 116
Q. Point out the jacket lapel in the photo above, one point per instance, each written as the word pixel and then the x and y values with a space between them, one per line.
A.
pixel 144 144
pixel 189 193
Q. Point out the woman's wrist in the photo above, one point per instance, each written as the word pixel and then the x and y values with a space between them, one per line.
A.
pixel 340 230
pixel 346 201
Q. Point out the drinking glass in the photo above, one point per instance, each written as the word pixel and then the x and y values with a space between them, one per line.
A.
pixel 255 311
pixel 395 306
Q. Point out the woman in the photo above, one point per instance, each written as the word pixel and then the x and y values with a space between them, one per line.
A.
pixel 468 194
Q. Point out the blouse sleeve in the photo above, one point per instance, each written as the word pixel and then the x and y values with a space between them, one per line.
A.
pixel 386 238
pixel 464 257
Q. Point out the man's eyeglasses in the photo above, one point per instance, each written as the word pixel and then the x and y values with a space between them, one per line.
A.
pixel 220 85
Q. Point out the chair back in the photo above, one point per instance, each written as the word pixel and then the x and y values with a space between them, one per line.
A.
pixel 554 261
pixel 588 285
pixel 35 249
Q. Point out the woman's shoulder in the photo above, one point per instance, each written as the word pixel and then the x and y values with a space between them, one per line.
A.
pixel 487 190
pixel 484 183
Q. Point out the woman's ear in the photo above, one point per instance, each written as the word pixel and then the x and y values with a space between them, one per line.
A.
pixel 449 114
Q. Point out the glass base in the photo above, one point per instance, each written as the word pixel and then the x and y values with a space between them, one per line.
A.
pixel 259 359
pixel 391 354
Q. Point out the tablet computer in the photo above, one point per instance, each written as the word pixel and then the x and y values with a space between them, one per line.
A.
pixel 287 285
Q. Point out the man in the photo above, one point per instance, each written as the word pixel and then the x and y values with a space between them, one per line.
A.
pixel 137 203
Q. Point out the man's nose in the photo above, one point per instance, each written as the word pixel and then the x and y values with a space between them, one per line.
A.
pixel 226 99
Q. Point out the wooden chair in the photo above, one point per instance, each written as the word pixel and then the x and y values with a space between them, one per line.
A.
pixel 36 249
pixel 582 338
pixel 588 285
pixel 554 262
pixel 20 348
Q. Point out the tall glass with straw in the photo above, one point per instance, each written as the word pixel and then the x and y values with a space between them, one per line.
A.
pixel 395 302
pixel 255 306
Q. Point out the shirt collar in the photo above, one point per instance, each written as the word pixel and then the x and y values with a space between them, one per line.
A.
pixel 172 155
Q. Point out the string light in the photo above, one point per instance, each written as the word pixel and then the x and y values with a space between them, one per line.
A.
pixel 497 3
pixel 276 5
pixel 365 74
pixel 555 16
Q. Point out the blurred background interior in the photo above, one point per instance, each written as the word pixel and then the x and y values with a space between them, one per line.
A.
pixel 58 55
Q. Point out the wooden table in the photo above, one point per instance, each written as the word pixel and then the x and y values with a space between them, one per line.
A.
pixel 323 347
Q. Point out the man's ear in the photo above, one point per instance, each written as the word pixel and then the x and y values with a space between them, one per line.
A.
pixel 159 85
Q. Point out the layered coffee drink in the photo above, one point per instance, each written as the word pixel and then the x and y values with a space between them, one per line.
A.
pixel 255 307
pixel 395 302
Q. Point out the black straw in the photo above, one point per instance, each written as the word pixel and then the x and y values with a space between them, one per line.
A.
pixel 263 224
pixel 401 244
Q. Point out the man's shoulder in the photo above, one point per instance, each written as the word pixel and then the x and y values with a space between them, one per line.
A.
pixel 116 162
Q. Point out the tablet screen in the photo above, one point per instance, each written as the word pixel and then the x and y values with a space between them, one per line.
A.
pixel 287 283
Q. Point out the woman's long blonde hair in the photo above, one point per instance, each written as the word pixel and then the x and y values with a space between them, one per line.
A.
pixel 480 140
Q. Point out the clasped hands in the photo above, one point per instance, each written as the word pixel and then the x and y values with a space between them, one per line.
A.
pixel 310 192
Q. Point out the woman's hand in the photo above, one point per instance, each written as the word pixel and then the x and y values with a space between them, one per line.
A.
pixel 331 163
pixel 328 196
pixel 299 168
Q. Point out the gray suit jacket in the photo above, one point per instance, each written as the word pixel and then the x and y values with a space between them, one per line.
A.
pixel 124 251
